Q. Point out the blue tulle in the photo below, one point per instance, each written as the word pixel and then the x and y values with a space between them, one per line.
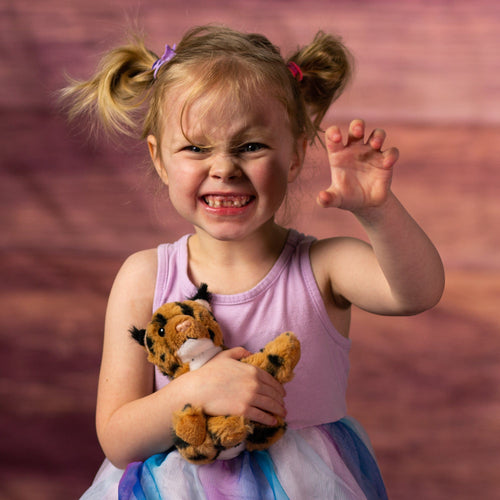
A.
pixel 267 467
pixel 255 480
pixel 331 461
pixel 138 482
pixel 359 460
pixel 130 487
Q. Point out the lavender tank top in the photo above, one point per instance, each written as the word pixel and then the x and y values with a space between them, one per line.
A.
pixel 287 299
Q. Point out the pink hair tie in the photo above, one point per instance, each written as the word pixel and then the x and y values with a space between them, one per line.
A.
pixel 295 70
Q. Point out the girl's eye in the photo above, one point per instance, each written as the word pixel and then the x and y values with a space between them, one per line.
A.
pixel 195 149
pixel 252 147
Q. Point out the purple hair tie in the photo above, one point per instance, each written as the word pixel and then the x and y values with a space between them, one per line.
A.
pixel 167 55
pixel 295 70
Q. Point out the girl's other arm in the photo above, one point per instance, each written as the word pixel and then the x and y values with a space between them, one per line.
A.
pixel 133 422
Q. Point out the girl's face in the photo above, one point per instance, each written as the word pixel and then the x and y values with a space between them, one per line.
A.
pixel 227 169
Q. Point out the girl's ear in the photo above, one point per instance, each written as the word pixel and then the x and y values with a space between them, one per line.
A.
pixel 298 158
pixel 154 152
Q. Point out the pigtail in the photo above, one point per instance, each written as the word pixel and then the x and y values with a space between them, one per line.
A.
pixel 326 67
pixel 114 96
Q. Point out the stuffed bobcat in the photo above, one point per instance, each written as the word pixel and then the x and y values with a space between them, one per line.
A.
pixel 182 336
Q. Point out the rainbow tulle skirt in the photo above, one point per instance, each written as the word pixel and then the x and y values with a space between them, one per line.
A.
pixel 332 461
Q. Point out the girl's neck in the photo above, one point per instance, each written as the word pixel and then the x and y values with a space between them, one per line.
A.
pixel 230 267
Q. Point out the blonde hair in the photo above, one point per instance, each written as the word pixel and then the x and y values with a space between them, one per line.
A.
pixel 123 95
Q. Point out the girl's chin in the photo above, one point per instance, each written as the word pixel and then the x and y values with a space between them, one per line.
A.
pixel 224 233
pixel 234 231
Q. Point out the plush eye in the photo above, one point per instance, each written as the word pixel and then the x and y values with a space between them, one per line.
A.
pixel 161 332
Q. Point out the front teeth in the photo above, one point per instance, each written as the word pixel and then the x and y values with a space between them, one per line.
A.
pixel 227 201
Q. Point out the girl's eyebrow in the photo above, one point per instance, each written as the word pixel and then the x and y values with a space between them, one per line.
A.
pixel 252 133
pixel 181 139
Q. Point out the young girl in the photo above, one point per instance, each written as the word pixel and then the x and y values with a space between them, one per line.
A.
pixel 227 121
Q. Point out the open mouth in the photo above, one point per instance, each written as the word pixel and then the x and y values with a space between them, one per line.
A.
pixel 227 201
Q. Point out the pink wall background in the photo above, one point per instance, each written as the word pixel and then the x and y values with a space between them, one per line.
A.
pixel 426 387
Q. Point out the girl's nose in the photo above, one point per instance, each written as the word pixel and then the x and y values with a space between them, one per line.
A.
pixel 225 168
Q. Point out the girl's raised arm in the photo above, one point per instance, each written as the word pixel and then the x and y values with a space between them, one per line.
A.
pixel 401 272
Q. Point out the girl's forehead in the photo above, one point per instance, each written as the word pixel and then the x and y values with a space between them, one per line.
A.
pixel 213 109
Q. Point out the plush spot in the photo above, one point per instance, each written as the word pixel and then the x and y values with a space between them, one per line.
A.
pixel 275 360
pixel 173 368
pixel 180 443
pixel 150 344
pixel 186 309
pixel 262 434
pixel 160 320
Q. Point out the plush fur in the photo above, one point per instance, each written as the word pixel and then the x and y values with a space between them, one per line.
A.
pixel 171 341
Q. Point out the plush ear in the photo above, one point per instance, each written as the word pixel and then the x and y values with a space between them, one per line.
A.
pixel 203 296
pixel 138 335
pixel 202 293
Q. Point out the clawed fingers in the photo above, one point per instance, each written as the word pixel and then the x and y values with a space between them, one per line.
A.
pixel 327 198
pixel 356 133
pixel 377 138
pixel 390 157
pixel 333 137
pixel 361 170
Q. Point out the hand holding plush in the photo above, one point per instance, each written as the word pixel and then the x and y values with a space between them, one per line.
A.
pixel 182 336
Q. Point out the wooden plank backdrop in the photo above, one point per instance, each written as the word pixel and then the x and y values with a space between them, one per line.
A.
pixel 426 387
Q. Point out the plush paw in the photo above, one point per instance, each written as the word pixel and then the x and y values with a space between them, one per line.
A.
pixel 203 454
pixel 190 425
pixel 264 436
pixel 279 357
pixel 228 431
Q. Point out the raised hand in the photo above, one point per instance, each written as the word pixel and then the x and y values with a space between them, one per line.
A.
pixel 361 172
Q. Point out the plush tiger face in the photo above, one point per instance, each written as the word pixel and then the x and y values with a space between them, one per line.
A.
pixel 173 326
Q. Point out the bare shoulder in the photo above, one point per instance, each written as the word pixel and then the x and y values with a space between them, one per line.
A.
pixel 138 270
pixel 132 293
pixel 330 253
pixel 130 304
pixel 140 264
pixel 328 262
pixel 339 263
